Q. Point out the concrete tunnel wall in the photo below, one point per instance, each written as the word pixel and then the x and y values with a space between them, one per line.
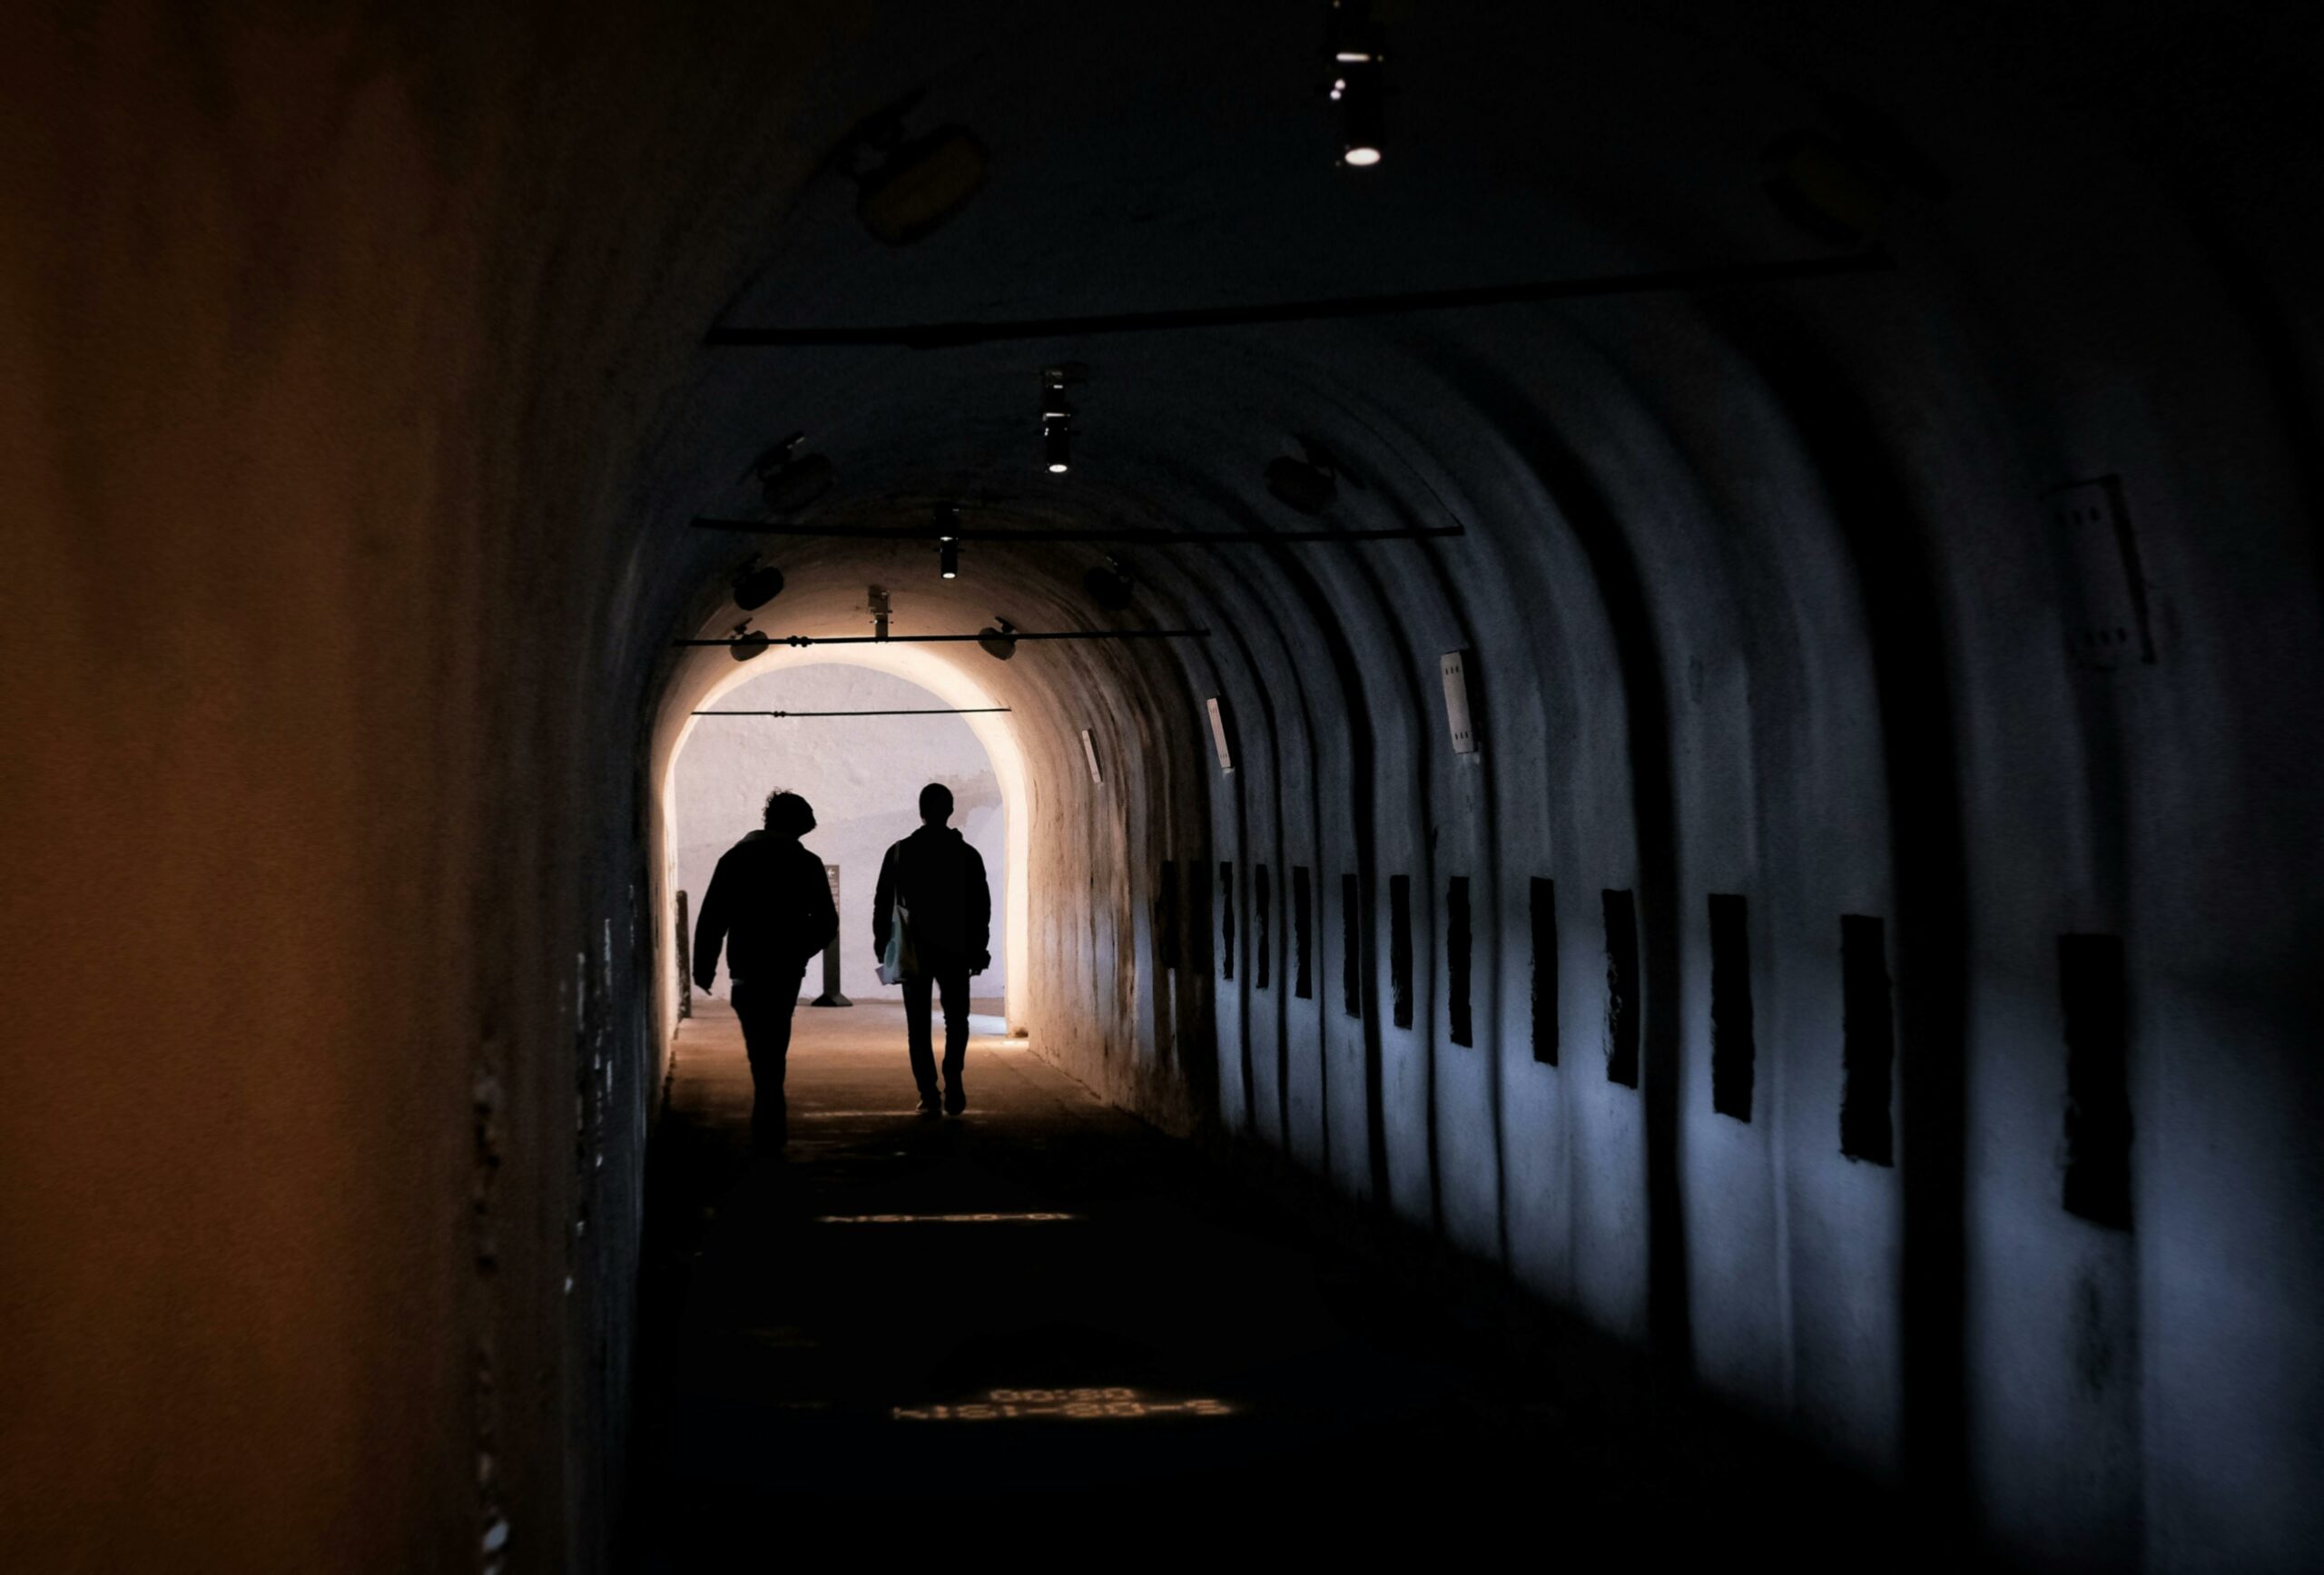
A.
pixel 356 406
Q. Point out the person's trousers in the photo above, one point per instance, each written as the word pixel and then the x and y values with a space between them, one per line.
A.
pixel 952 982
pixel 765 1007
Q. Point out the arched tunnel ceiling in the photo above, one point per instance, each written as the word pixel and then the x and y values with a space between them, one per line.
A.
pixel 1187 159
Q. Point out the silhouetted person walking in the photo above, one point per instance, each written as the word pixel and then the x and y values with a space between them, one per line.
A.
pixel 940 880
pixel 771 904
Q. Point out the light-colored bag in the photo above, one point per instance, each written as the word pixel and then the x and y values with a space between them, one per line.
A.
pixel 900 960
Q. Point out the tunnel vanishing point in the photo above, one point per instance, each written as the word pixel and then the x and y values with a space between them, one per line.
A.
pixel 1705 690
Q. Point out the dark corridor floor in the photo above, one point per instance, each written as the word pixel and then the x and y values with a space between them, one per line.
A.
pixel 1045 1329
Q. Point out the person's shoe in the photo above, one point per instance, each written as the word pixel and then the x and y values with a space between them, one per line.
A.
pixel 929 1108
pixel 955 1101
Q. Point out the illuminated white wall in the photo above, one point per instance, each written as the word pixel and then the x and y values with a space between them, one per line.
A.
pixel 863 777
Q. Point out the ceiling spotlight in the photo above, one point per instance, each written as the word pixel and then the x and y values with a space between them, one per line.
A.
pixel 1824 190
pixel 1840 190
pixel 1057 414
pixel 999 641
pixel 757 585
pixel 1310 485
pixel 1109 585
pixel 921 185
pixel 1362 117
pixel 747 642
pixel 788 481
pixel 1358 81
pixel 948 540
pixel 912 186
pixel 1308 488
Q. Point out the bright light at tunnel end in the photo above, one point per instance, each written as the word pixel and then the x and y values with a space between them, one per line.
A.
pixel 955 686
pixel 1362 158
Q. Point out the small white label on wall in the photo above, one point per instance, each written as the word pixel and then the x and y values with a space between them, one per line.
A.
pixel 1089 748
pixel 1218 736
pixel 1457 702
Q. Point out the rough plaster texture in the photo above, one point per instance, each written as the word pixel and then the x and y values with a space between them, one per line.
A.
pixel 863 777
pixel 354 410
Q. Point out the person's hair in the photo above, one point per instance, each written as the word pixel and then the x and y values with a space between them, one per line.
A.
pixel 936 802
pixel 788 814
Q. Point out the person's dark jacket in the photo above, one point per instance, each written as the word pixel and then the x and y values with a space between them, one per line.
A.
pixel 942 881
pixel 771 904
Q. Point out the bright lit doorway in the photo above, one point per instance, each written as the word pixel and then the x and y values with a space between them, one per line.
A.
pixel 862 774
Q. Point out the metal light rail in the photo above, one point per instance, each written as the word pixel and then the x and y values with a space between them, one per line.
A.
pixel 1010 634
pixel 1156 535
pixel 937 336
pixel 924 710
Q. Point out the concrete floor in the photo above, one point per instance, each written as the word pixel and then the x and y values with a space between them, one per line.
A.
pixel 1046 1321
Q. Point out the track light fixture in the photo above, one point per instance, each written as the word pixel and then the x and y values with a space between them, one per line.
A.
pixel 1057 414
pixel 790 481
pixel 1109 585
pixel 959 335
pixel 756 585
pixel 911 186
pixel 1362 118
pixel 1143 535
pixel 1359 84
pixel 1001 642
pixel 1309 488
pixel 746 642
pixel 948 541
pixel 1840 189
pixel 1310 485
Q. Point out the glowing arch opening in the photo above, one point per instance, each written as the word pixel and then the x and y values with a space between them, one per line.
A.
pixel 996 733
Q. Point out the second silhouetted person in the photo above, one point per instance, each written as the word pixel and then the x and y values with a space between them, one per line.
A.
pixel 939 881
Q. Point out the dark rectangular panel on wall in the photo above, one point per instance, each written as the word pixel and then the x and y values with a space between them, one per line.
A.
pixel 1734 1052
pixel 1225 920
pixel 1621 987
pixel 1302 920
pixel 1351 948
pixel 1199 919
pixel 1457 960
pixel 1867 1042
pixel 2094 988
pixel 1400 949
pixel 1166 913
pixel 1262 928
pixel 1545 971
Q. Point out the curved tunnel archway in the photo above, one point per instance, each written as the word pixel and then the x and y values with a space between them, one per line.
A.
pixel 1909 670
pixel 952 684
